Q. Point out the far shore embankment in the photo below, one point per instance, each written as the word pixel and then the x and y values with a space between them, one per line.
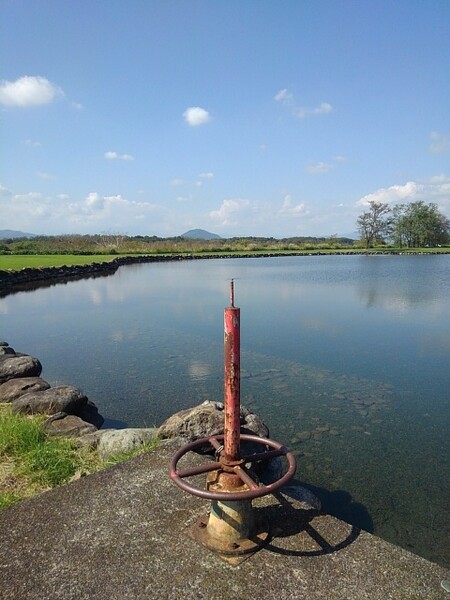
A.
pixel 28 278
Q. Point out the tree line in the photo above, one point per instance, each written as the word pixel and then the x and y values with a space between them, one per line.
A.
pixel 139 244
pixel 413 225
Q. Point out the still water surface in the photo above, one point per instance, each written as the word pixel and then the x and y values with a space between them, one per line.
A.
pixel 346 358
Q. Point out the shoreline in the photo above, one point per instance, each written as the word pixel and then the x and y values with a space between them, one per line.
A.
pixel 27 278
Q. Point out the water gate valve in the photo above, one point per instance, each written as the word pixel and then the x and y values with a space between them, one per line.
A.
pixel 231 528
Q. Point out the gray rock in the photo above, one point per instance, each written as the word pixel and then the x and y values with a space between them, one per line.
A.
pixel 64 398
pixel 63 425
pixel 271 470
pixel 90 413
pixel 13 366
pixel 123 440
pixel 6 349
pixel 207 419
pixel 92 440
pixel 14 388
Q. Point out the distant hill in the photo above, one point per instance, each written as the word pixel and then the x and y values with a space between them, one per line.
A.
pixel 11 234
pixel 200 234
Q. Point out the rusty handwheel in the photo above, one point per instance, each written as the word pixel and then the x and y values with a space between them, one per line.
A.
pixel 237 467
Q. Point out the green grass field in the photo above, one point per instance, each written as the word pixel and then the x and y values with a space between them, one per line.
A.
pixel 34 261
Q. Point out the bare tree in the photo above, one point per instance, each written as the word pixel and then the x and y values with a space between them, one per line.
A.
pixel 374 224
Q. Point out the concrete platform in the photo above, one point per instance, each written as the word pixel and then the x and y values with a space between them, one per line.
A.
pixel 121 534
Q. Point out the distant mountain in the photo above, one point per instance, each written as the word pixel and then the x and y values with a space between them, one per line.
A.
pixel 353 235
pixel 11 234
pixel 200 234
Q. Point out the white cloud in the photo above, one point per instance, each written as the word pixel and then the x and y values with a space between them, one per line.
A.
pixel 195 115
pixel 392 194
pixel 34 204
pixel 116 156
pixel 240 216
pixel 230 211
pixel 438 179
pixel 323 109
pixel 32 143
pixel 287 99
pixel 4 192
pixel 318 168
pixel 94 201
pixel 93 213
pixel 28 91
pixel 435 189
pixel 439 143
pixel 289 208
pixel 45 176
pixel 202 177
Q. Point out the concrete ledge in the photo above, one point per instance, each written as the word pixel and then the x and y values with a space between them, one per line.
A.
pixel 120 534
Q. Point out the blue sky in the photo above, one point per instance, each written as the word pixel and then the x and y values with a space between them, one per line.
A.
pixel 243 117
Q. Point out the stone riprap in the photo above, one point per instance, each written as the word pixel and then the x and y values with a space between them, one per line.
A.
pixel 63 398
pixel 21 386
pixel 5 348
pixel 14 388
pixel 207 419
pixel 72 414
pixel 115 441
pixel 18 365
pixel 64 425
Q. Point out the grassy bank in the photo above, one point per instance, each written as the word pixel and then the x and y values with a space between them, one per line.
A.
pixel 15 262
pixel 32 462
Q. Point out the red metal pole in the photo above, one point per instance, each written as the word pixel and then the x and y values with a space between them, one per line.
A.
pixel 232 391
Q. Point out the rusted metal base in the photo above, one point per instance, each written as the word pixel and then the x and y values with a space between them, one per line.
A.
pixel 237 551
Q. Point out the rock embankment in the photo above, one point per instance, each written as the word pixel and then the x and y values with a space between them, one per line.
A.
pixel 71 414
pixel 16 280
pixel 22 386
pixel 24 278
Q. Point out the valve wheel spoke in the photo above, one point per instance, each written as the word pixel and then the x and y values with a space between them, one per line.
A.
pixel 268 454
pixel 246 478
pixel 255 491
pixel 206 468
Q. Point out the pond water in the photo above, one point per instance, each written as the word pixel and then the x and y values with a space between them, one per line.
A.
pixel 346 358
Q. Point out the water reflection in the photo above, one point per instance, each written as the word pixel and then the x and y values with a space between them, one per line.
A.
pixel 403 283
pixel 199 371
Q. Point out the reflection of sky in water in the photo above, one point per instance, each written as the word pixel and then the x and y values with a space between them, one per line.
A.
pixel 356 345
pixel 199 370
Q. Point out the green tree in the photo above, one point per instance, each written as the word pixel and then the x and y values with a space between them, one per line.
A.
pixel 374 224
pixel 418 224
